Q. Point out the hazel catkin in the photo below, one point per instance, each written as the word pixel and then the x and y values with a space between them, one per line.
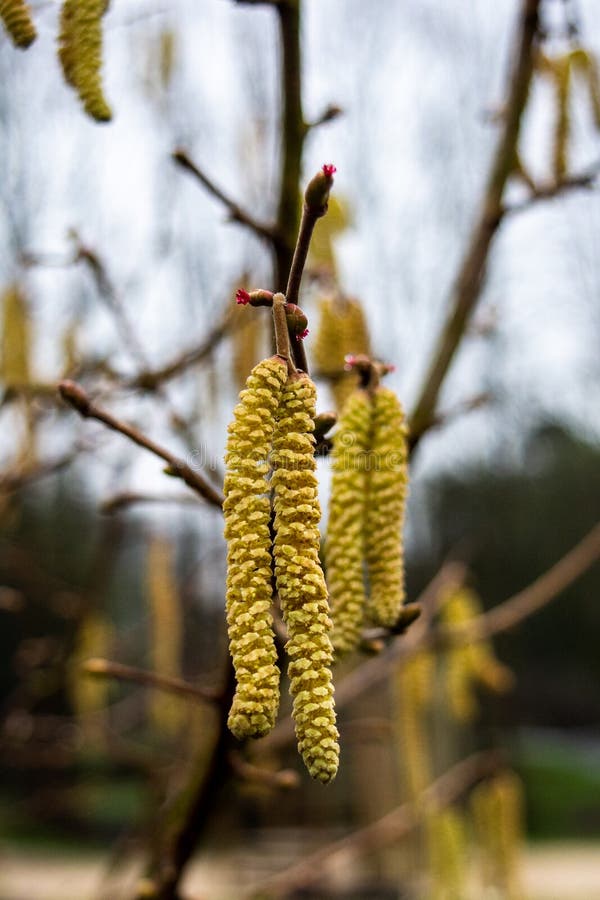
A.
pixel 249 590
pixel 387 488
pixel 342 330
pixel 300 582
pixel 80 53
pixel 344 544
pixel 16 16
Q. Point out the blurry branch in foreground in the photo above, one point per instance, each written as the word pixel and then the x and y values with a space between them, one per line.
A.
pixel 424 635
pixel 471 276
pixel 75 395
pixel 105 668
pixel 391 828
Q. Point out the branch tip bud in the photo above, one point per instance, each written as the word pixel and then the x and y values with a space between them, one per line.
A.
pixel 329 170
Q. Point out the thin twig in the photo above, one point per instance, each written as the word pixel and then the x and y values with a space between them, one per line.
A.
pixel 578 181
pixel 528 601
pixel 128 498
pixel 236 213
pixel 391 828
pixel 471 276
pixel 283 778
pixel 106 668
pixel 75 395
pixel 149 379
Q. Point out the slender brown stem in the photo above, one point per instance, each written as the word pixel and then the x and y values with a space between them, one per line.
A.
pixel 128 498
pixel 470 280
pixel 106 668
pixel 150 378
pixel 75 395
pixel 267 232
pixel 391 828
pixel 307 224
pixel 528 601
pixel 282 336
pixel 293 132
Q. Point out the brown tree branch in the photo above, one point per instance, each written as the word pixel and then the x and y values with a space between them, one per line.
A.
pixel 471 276
pixel 75 395
pixel 236 213
pixel 106 668
pixel 293 133
pixel 149 379
pixel 530 600
pixel 129 498
pixel 391 828
pixel 578 181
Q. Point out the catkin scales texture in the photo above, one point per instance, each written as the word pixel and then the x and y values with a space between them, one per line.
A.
pixel 80 53
pixel 344 545
pixel 16 16
pixel 387 488
pixel 247 511
pixel 300 581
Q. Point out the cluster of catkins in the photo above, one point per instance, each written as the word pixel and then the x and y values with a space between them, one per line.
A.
pixel 79 46
pixel 270 450
pixel 366 512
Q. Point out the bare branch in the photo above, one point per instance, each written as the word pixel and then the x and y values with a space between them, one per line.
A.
pixel 236 213
pixel 284 778
pixel 149 379
pixel 128 498
pixel 391 828
pixel 530 600
pixel 75 395
pixel 105 668
pixel 471 276
pixel 582 180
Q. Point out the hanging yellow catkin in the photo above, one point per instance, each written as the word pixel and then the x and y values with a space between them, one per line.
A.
pixel 497 809
pixel 344 543
pixel 300 581
pixel 168 714
pixel 342 330
pixel 413 688
pixel 16 15
pixel 89 696
pixel 246 334
pixel 447 853
pixel 15 348
pixel 387 488
pixel 80 53
pixel 469 664
pixel 247 511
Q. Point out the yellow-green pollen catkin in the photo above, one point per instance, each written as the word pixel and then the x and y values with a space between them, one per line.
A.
pixel 342 330
pixel 344 545
pixel 468 665
pixel 80 53
pixel 16 16
pixel 247 511
pixel 497 808
pixel 300 581
pixel 387 488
